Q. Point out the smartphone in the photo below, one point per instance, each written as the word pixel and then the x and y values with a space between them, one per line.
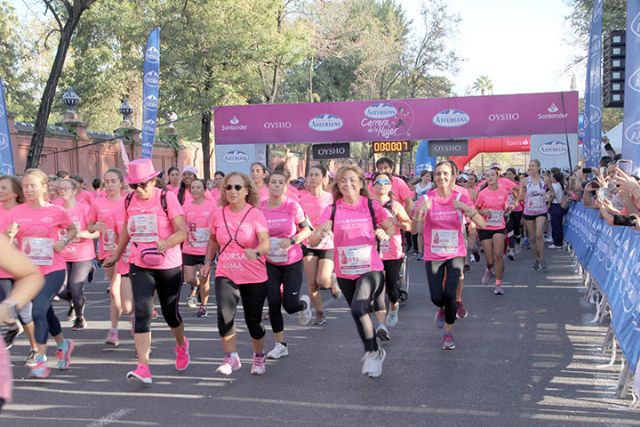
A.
pixel 603 171
pixel 627 221
pixel 625 165
pixel 587 170
pixel 601 194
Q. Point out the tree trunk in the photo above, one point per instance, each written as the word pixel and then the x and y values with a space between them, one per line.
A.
pixel 205 138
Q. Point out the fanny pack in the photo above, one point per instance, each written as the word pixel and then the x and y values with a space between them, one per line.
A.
pixel 151 256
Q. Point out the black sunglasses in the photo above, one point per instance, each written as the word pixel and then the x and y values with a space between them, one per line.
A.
pixel 141 184
pixel 236 187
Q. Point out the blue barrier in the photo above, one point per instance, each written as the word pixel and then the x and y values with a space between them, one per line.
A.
pixel 611 254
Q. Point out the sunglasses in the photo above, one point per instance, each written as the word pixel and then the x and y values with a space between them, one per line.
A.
pixel 382 182
pixel 236 187
pixel 141 185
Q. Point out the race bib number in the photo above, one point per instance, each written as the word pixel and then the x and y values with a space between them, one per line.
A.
pixel 38 250
pixel 276 253
pixel 537 201
pixel 143 228
pixel 385 245
pixel 109 240
pixel 199 238
pixel 444 242
pixel 495 218
pixel 355 259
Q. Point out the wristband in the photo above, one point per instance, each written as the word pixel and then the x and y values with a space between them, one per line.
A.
pixel 65 241
pixel 292 241
pixel 257 253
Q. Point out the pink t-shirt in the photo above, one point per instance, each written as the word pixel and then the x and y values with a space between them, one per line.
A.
pixel 78 249
pixel 214 193
pixel 495 202
pixel 100 194
pixel 232 262
pixel 111 212
pixel 314 206
pixel 198 218
pixel 188 197
pixel 4 224
pixel 443 226
pixel 356 250
pixel 293 193
pixel 282 222
pixel 39 229
pixel 263 193
pixel 173 189
pixel 147 223
pixel 392 248
pixel 85 197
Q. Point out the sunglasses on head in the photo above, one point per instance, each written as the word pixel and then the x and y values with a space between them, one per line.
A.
pixel 141 185
pixel 236 187
pixel 382 182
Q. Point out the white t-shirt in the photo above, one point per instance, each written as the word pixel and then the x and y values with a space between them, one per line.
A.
pixel 559 192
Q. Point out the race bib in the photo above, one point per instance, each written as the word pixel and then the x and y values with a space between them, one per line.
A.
pixel 385 245
pixel 109 240
pixel 355 259
pixel 495 218
pixel 276 253
pixel 537 201
pixel 444 242
pixel 38 249
pixel 143 228
pixel 199 238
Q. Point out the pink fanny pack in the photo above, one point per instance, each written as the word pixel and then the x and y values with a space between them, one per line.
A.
pixel 151 256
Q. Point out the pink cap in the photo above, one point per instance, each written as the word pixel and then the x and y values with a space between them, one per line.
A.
pixel 140 170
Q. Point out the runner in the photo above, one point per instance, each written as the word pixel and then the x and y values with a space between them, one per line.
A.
pixel 259 176
pixel 493 205
pixel 356 223
pixel 556 211
pixel 189 173
pixel 155 226
pixel 515 241
pixel 318 260
pixel 401 190
pixel 288 226
pixel 535 212
pixel 392 254
pixel 106 217
pixel 174 180
pixel 240 231
pixel 78 254
pixel 441 213
pixel 218 178
pixel 197 213
pixel 39 224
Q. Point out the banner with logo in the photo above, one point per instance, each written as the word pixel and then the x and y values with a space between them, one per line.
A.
pixel 230 158
pixel 423 160
pixel 591 147
pixel 398 120
pixel 6 154
pixel 552 150
pixel 631 123
pixel 612 256
pixel 150 91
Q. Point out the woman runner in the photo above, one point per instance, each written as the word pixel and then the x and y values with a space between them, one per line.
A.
pixel 259 176
pixel 535 212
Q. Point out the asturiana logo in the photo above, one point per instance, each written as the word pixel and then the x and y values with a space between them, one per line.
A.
pixel 553 148
pixel 451 118
pixel 234 124
pixel 632 133
pixel 150 102
pixel 152 78
pixel 235 156
pixel 4 141
pixel 634 81
pixel 325 123
pixel 152 54
pixel 380 111
pixel 553 113
pixel 149 126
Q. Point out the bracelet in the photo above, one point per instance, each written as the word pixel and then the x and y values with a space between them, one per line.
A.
pixel 65 241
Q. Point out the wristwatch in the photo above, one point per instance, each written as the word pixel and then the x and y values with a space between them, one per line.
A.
pixel 13 311
pixel 292 241
pixel 257 254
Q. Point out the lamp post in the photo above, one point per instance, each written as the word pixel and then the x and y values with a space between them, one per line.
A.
pixel 126 110
pixel 70 99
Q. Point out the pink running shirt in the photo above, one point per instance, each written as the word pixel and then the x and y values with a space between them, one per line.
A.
pixel 314 207
pixel 4 225
pixel 111 212
pixel 78 249
pixel 495 202
pixel 443 226
pixel 282 222
pixel 198 219
pixel 392 248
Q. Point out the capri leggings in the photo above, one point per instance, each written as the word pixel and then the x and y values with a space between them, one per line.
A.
pixel 290 276
pixel 516 221
pixel 228 294
pixel 392 269
pixel 77 274
pixel 44 318
pixel 443 277
pixel 24 314
pixel 364 295
pixel 167 283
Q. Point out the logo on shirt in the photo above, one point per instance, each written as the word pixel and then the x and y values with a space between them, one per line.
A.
pixel 451 118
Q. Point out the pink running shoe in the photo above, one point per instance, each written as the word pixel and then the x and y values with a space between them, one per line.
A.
pixel 182 355
pixel 258 366
pixel 486 277
pixel 64 354
pixel 229 364
pixel 39 370
pixel 112 338
pixel 447 342
pixel 140 375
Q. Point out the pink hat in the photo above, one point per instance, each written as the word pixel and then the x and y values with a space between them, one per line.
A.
pixel 140 170
pixel 190 169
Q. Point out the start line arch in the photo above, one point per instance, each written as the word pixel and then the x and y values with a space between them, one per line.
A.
pixel 550 118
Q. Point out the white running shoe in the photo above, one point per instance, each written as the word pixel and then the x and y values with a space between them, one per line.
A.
pixel 373 361
pixel 304 316
pixel 392 315
pixel 279 350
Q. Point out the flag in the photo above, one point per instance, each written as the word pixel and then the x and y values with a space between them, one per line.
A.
pixel 150 90
pixel 593 92
pixel 6 155
pixel 631 123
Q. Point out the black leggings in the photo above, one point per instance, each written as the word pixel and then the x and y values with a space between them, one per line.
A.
pixel 364 295
pixel 144 281
pixel 228 294
pixel 77 274
pixel 516 221
pixel 392 269
pixel 445 296
pixel 290 276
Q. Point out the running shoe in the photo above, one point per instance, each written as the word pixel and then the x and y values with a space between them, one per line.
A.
pixel 476 256
pixel 258 366
pixel 336 293
pixel 498 290
pixel 486 276
pixel 535 266
pixel 440 318
pixel 382 332
pixel 447 341
pixel 182 355
pixel 192 301
pixel 461 312
pixel 419 257
pixel 79 324
pixel 466 268
pixel 202 311
pixel 549 239
pixel 542 266
pixel 229 364
pixel 319 320
pixel 112 338
pixel 392 315
pixel 11 335
pixel 553 246
pixel 39 370
pixel 64 354
pixel 140 375
pixel 373 360
pixel 279 350
pixel 154 314
pixel 510 254
pixel 305 315
pixel 31 360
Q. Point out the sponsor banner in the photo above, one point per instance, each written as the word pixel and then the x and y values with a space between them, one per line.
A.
pixel 592 145
pixel 232 158
pixel 150 92
pixel 631 123
pixel 552 150
pixel 398 120
pixel 612 256
pixel 448 148
pixel 423 160
pixel 6 153
pixel 331 151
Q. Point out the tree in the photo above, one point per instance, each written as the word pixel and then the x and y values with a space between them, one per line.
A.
pixel 67 16
pixel 484 85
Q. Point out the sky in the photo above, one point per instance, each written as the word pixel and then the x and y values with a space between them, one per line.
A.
pixel 524 46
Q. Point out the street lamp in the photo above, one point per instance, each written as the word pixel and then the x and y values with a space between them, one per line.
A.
pixel 126 110
pixel 70 99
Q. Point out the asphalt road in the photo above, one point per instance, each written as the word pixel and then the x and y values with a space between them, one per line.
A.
pixel 529 357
